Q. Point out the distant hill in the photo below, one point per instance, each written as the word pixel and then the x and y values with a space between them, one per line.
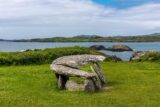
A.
pixel 87 36
pixel 154 34
pixel 96 38
pixel 5 40
pixel 1 39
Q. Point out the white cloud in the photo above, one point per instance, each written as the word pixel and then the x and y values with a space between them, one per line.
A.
pixel 39 18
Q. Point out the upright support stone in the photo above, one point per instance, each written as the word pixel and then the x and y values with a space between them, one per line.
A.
pixel 99 72
pixel 62 81
pixel 57 76
pixel 89 85
pixel 96 80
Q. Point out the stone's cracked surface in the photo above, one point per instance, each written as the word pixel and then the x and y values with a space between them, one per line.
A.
pixel 76 61
pixel 67 66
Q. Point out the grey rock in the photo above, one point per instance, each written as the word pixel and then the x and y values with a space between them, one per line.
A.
pixel 60 82
pixel 89 85
pixel 99 72
pixel 67 66
pixel 68 71
pixel 137 55
pixel 119 48
pixel 76 61
pixel 96 80
pixel 97 83
pixel 74 86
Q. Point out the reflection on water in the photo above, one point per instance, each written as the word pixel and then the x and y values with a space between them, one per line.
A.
pixel 125 56
pixel 142 46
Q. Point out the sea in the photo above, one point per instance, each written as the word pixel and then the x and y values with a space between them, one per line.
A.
pixel 136 46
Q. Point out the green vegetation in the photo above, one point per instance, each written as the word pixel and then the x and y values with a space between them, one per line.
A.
pixel 45 56
pixel 130 83
pixel 133 84
pixel 94 38
pixel 119 48
pixel 150 56
pixel 61 39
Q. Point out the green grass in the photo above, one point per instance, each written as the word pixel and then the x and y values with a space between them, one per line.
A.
pixel 134 84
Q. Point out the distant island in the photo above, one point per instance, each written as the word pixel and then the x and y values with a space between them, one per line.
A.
pixel 1 40
pixel 95 38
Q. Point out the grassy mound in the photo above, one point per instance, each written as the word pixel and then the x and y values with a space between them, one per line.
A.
pixel 131 85
pixel 45 56
pixel 119 48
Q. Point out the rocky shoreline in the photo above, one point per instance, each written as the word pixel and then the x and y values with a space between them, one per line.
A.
pixel 146 56
pixel 115 48
pixel 136 56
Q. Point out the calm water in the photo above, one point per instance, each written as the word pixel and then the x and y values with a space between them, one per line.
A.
pixel 17 46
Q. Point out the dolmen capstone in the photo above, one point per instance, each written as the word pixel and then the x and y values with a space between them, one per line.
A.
pixel 69 66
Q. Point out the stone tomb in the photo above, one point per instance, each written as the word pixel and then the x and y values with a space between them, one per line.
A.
pixel 69 66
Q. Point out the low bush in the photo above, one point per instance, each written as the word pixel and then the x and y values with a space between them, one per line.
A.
pixel 45 56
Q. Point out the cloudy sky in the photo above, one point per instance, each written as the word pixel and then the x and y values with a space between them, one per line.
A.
pixel 49 18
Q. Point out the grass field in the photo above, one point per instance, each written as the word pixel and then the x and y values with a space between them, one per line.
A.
pixel 132 84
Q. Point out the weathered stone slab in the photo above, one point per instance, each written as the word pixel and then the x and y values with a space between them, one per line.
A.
pixel 76 61
pixel 68 71
pixel 99 72
pixel 96 80
pixel 89 85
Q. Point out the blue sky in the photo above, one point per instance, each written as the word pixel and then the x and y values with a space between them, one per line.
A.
pixel 121 4
pixel 50 18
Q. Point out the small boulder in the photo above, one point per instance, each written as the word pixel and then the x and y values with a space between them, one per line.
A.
pixel 98 47
pixel 89 85
pixel 119 48
pixel 139 54
pixel 74 86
